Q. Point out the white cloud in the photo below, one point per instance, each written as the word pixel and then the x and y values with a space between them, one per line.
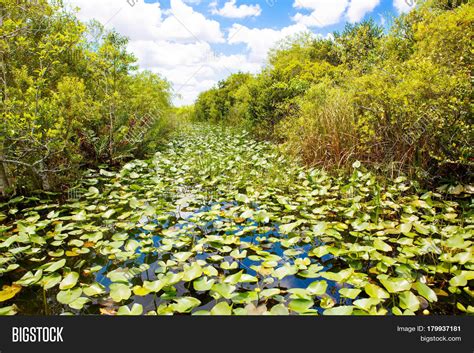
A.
pixel 231 10
pixel 183 23
pixel 260 41
pixel 404 6
pixel 329 12
pixel 137 21
pixel 322 12
pixel 359 8
pixel 192 2
pixel 175 42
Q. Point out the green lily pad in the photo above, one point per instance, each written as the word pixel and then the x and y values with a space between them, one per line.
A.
pixel 51 280
pixel 155 286
pixel 119 292
pixel 54 266
pixel 185 304
pixel 409 301
pixel 317 288
pixel 339 310
pixel 69 295
pixel 350 293
pixel 280 310
pixel 301 306
pixel 192 272
pixel 203 284
pixel 395 285
pixel 69 281
pixel 9 310
pixel 29 278
pixel 425 291
pixel 224 290
pixel 222 309
pixel 94 289
pixel 135 310
pixel 79 303
pixel 375 291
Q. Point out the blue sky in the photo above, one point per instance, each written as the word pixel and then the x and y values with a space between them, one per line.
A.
pixel 196 43
pixel 279 14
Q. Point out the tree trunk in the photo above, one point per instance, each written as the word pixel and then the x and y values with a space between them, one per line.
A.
pixel 45 184
pixel 5 184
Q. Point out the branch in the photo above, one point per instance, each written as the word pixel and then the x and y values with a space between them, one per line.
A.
pixel 11 161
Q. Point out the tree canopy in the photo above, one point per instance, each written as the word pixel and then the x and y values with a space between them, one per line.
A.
pixel 398 99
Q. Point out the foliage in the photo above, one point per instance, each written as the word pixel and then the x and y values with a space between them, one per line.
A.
pixel 68 100
pixel 398 101
pixel 218 224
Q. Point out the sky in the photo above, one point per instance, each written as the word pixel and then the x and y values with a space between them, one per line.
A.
pixel 196 43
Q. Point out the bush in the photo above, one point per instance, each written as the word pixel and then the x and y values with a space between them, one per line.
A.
pixel 398 101
pixel 68 102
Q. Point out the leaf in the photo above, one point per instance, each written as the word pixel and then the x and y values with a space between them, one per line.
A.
pixel 94 289
pixel 235 278
pixel 192 272
pixel 183 256
pixel 229 266
pixel 119 275
pixel 8 292
pixel 185 304
pixel 93 191
pixel 287 228
pixel 375 291
pixel 395 285
pixel 29 278
pixel 270 292
pixel 108 214
pixel 327 302
pixel 203 284
pixel 317 288
pixel 425 291
pixel 251 309
pixel 458 281
pixel 136 310
pixel 132 245
pixel 9 310
pixel 119 292
pixel 350 293
pixel 262 216
pixel 155 286
pixel 54 266
pixel 319 229
pixel 79 303
pixel 279 310
pixel 405 228
pixel 81 216
pixel 409 301
pixel 285 270
pixel 68 296
pixel 140 291
pixel 340 276
pixel 381 245
pixel 222 309
pixel 69 281
pixel 339 310
pixel 299 293
pixel 301 305
pixel 242 198
pixel 224 290
pixel 240 277
pixel 51 280
pixel 366 303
